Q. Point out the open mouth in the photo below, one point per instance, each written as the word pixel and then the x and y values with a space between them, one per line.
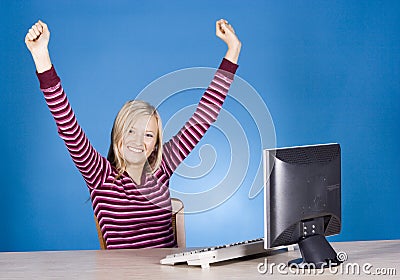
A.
pixel 135 150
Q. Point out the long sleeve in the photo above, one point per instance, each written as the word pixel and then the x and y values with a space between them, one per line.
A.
pixel 179 147
pixel 89 162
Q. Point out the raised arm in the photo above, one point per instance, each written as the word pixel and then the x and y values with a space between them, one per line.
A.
pixel 90 163
pixel 179 147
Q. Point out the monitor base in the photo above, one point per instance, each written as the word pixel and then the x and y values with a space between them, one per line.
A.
pixel 316 252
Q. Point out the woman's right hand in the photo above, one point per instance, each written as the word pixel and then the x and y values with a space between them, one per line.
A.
pixel 37 41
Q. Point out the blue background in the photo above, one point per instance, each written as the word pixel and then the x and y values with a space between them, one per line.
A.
pixel 329 71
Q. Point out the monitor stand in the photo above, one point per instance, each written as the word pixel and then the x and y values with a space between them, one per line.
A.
pixel 316 252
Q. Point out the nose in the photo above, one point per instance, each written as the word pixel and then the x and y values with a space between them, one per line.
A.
pixel 137 138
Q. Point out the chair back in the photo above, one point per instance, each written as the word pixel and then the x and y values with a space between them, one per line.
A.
pixel 102 241
pixel 178 222
pixel 178 225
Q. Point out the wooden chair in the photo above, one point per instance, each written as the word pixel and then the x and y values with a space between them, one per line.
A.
pixel 178 225
pixel 102 241
pixel 178 222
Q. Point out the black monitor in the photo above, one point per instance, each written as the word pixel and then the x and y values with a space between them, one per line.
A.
pixel 303 200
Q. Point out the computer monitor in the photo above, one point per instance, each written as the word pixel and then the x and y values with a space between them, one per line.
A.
pixel 303 200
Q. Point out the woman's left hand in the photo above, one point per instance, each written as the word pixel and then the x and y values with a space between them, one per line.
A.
pixel 227 34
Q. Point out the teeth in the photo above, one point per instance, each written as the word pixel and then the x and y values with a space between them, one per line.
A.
pixel 135 150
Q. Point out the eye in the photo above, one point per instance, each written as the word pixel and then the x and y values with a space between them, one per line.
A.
pixel 149 135
pixel 130 131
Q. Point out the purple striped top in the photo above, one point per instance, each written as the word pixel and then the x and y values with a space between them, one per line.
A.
pixel 134 215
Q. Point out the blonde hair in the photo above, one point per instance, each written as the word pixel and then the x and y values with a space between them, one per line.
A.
pixel 128 114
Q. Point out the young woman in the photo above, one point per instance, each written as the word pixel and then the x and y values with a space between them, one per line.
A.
pixel 130 188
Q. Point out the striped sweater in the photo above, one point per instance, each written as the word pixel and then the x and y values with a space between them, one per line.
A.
pixel 134 215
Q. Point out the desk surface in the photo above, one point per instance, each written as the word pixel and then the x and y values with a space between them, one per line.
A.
pixel 383 257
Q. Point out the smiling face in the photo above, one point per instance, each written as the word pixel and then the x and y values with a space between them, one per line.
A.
pixel 136 138
pixel 139 141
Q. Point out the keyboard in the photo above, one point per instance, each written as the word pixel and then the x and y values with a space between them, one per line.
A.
pixel 205 256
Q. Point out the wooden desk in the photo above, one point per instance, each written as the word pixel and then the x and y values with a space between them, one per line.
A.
pixel 144 264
